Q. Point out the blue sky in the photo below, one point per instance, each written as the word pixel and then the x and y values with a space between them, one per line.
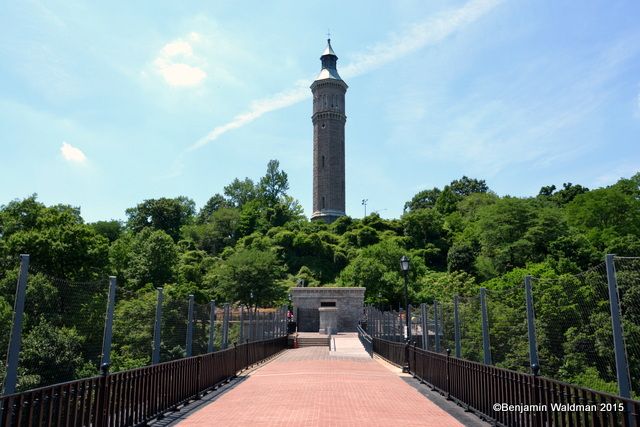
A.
pixel 105 104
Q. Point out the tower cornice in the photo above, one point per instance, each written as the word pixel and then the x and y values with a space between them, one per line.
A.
pixel 329 82
pixel 328 115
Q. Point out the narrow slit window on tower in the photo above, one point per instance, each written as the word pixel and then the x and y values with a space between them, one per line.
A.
pixel 323 161
pixel 322 202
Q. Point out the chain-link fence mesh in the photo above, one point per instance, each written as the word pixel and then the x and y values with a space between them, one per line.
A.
pixel 133 322
pixel 470 328
pixel 573 327
pixel 415 320
pixel 446 326
pixel 201 328
pixel 507 318
pixel 628 277
pixel 174 328
pixel 62 329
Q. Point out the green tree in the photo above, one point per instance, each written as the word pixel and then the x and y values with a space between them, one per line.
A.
pixel 605 213
pixel 274 185
pixel 425 230
pixel 56 238
pixel 221 230
pixel 377 268
pixel 216 202
pixel 110 229
pixel 153 259
pixel 241 192
pixel 163 214
pixel 250 277
pixel 423 200
pixel 50 355
pixel 466 186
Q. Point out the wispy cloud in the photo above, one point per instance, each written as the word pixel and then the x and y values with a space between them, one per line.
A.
pixel 171 63
pixel 537 130
pixel 72 154
pixel 414 38
pixel 612 176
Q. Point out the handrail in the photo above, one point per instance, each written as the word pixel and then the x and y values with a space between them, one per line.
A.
pixel 365 339
pixel 136 396
pixel 508 397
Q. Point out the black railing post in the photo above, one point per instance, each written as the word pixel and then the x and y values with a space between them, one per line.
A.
pixel 535 368
pixel 102 415
pixel 235 358
pixel 535 415
pixel 198 374
pixel 405 368
pixel 448 374
pixel 414 360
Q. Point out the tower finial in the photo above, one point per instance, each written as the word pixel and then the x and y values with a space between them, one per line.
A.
pixel 328 36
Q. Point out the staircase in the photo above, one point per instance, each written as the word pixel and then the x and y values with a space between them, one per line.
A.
pixel 313 340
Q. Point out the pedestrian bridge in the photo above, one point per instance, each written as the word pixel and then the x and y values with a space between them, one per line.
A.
pixel 356 380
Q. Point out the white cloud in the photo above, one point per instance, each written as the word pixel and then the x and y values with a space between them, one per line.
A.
pixel 178 47
pixel 258 108
pixel 72 154
pixel 172 65
pixel 418 36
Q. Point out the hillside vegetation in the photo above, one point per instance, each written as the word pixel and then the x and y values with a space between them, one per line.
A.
pixel 248 245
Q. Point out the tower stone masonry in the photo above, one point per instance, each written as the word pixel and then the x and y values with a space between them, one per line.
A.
pixel 328 140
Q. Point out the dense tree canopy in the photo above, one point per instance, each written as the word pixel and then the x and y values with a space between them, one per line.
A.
pixel 250 243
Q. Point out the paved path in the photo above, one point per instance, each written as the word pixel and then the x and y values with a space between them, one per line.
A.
pixel 315 387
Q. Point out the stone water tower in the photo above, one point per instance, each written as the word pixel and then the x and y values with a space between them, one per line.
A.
pixel 328 140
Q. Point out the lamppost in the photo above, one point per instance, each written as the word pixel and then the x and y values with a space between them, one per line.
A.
pixel 404 266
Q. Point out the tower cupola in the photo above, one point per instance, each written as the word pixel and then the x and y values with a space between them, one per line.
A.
pixel 329 64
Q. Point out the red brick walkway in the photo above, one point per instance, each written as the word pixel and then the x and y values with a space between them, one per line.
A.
pixel 309 387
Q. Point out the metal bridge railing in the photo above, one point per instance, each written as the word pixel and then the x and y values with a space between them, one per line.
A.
pixel 135 396
pixel 510 398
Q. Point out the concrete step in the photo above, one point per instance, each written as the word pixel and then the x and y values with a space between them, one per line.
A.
pixel 313 341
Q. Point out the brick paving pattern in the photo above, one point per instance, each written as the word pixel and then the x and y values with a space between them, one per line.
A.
pixel 313 387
